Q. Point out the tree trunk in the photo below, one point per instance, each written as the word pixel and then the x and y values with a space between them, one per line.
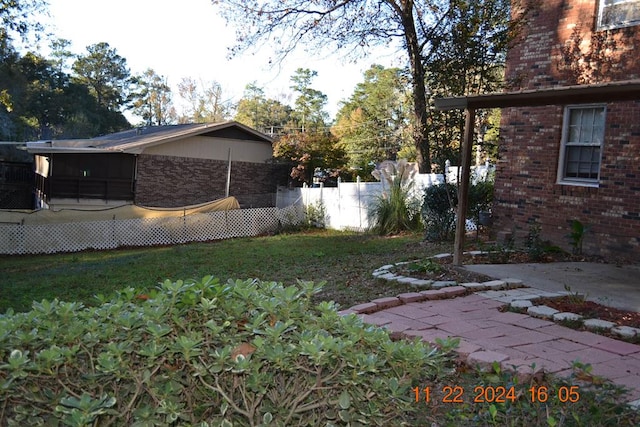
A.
pixel 420 132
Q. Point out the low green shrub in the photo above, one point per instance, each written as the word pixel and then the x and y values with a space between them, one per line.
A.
pixel 240 353
pixel 438 211
pixel 480 199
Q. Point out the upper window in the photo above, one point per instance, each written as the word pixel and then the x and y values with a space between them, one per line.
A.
pixel 618 13
pixel 582 139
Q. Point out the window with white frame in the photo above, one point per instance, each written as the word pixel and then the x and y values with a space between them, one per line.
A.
pixel 618 13
pixel 582 139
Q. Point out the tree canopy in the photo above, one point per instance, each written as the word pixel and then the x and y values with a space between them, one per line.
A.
pixel 105 73
pixel 152 100
pixel 416 27
pixel 372 124
pixel 268 115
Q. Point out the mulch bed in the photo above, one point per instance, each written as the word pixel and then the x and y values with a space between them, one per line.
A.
pixel 592 310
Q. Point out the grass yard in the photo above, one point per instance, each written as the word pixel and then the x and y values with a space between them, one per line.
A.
pixel 344 260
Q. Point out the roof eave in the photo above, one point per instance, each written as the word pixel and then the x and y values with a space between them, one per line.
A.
pixel 559 95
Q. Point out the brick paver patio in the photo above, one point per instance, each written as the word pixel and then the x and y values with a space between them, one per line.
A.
pixel 515 340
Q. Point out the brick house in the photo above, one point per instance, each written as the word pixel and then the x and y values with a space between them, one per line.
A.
pixel 575 160
pixel 161 166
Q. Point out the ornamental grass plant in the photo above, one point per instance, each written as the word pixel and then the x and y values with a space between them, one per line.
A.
pixel 395 210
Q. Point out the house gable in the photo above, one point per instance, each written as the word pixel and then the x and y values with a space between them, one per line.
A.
pixel 212 146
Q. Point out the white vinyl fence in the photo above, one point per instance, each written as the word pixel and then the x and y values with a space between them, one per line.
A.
pixel 346 206
pixel 20 238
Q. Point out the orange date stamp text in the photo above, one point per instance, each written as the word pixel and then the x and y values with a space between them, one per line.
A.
pixel 495 394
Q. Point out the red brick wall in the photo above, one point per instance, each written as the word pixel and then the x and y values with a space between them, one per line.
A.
pixel 561 47
pixel 165 181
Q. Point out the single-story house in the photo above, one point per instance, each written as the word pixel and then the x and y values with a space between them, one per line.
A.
pixel 161 166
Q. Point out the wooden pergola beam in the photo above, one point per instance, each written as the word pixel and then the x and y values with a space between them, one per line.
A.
pixel 560 95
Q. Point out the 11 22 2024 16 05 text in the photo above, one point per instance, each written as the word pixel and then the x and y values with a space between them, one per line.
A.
pixel 495 394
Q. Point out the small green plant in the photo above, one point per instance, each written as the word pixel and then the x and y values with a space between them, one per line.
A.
pixel 425 266
pixel 315 215
pixel 574 296
pixel 576 236
pixel 533 243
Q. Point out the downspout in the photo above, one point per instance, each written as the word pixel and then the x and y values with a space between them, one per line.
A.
pixel 228 174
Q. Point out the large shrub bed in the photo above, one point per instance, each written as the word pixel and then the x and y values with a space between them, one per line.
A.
pixel 204 353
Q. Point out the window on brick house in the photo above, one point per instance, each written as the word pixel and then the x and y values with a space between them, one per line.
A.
pixel 582 139
pixel 618 13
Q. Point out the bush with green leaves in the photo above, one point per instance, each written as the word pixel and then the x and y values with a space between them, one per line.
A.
pixel 240 353
pixel 438 211
pixel 480 198
pixel 440 203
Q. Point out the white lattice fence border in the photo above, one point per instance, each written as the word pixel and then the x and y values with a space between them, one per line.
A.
pixel 22 239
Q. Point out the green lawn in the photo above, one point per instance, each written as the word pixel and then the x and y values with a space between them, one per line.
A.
pixel 344 260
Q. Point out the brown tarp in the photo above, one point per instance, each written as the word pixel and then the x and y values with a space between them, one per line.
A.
pixel 46 216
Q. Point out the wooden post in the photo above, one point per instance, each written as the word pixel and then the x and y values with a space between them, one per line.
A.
pixel 463 188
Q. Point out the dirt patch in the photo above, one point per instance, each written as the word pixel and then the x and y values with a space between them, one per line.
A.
pixel 439 270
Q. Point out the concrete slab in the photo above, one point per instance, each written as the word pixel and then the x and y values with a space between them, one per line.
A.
pixel 615 286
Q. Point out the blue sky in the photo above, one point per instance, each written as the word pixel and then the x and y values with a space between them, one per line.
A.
pixel 187 39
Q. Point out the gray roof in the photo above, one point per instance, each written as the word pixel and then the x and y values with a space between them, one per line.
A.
pixel 135 140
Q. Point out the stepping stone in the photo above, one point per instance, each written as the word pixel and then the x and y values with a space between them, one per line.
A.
pixel 411 297
pixel 542 311
pixel 598 324
pixel 405 280
pixel 379 273
pixel 440 256
pixel 420 283
pixel 388 276
pixel 474 286
pixel 367 307
pixel 475 253
pixel 513 283
pixel 521 303
pixel 495 284
pixel 452 291
pixel 559 317
pixel 626 331
pixel 443 284
pixel 387 302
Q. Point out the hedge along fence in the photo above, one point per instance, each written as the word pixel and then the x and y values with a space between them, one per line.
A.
pixel 21 238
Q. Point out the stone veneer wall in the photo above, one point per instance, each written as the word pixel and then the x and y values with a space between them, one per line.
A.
pixel 167 181
pixel 526 192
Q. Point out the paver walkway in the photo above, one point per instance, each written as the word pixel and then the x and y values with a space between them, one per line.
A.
pixel 513 339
